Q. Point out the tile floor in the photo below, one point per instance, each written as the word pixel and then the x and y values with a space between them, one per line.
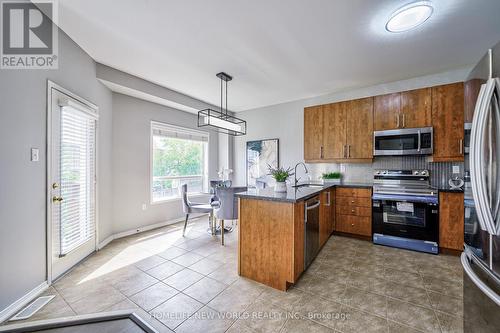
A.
pixel 191 285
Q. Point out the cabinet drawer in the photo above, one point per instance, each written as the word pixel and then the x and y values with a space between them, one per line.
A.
pixel 354 210
pixel 354 224
pixel 353 192
pixel 352 201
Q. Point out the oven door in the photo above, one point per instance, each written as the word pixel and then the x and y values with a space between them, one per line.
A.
pixel 411 141
pixel 404 218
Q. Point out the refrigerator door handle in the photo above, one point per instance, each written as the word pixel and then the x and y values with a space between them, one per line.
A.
pixel 477 281
pixel 477 160
pixel 475 154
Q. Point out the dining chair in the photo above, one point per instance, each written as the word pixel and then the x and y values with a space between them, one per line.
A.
pixel 189 207
pixel 228 205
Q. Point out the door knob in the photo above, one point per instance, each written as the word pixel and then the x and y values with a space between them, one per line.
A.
pixel 57 199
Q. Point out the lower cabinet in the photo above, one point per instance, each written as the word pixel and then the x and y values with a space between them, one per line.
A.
pixel 451 220
pixel 326 215
pixel 353 213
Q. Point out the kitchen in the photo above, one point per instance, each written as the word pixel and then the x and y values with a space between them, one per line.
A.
pixel 405 188
pixel 244 166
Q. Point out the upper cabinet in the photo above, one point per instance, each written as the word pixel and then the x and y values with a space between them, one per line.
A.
pixel 334 131
pixel 471 92
pixel 407 109
pixel 313 133
pixel 448 122
pixel 359 130
pixel 416 110
pixel 343 131
pixel 339 132
pixel 386 112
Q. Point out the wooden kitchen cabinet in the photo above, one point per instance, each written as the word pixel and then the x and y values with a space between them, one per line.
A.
pixel 386 111
pixel 359 130
pixel 471 92
pixel 326 216
pixel 407 109
pixel 451 220
pixel 271 241
pixel 416 108
pixel 313 133
pixel 334 130
pixel 339 132
pixel 353 213
pixel 448 122
pixel 355 225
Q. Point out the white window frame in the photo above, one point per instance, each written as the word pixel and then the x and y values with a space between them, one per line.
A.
pixel 205 175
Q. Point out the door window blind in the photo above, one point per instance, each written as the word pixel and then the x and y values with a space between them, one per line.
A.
pixel 77 178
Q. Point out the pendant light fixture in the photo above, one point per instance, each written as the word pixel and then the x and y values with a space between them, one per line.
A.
pixel 221 120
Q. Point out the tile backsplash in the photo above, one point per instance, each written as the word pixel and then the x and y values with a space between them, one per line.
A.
pixel 440 172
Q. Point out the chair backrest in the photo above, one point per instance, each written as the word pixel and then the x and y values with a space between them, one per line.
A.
pixel 185 200
pixel 228 209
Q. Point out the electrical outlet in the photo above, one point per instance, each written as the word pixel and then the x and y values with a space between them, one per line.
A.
pixel 456 169
pixel 35 154
pixel 144 206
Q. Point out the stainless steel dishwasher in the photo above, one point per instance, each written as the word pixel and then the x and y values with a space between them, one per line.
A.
pixel 311 229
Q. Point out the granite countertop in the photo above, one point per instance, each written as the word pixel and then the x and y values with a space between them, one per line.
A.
pixel 296 194
pixel 447 189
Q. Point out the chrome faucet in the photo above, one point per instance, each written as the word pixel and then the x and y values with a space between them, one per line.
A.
pixel 295 172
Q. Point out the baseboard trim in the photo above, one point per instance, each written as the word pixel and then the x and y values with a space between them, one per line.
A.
pixel 23 301
pixel 142 229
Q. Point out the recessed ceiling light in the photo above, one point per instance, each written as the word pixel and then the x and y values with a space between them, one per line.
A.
pixel 409 16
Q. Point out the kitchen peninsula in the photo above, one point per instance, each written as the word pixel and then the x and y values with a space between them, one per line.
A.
pixel 280 233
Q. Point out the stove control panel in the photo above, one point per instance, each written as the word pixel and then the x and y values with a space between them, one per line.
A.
pixel 402 173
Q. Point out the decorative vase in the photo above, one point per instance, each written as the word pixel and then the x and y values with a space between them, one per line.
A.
pixel 280 187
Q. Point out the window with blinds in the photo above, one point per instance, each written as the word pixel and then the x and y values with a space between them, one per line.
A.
pixel 77 178
pixel 178 156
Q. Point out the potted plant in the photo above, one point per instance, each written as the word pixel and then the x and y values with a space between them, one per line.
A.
pixel 332 177
pixel 280 174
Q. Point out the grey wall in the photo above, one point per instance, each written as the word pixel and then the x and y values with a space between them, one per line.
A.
pixel 286 122
pixel 131 161
pixel 23 183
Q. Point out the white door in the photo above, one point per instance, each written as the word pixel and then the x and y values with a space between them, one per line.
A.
pixel 72 180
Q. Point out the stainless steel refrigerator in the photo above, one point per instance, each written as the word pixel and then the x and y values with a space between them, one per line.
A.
pixel 481 256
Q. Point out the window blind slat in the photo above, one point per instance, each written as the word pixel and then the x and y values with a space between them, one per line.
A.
pixel 170 131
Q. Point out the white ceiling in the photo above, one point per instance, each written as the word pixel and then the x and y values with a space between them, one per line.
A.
pixel 276 50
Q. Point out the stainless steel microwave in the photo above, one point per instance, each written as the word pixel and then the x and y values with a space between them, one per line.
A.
pixel 407 141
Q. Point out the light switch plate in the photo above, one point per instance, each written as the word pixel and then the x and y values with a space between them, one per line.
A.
pixel 35 154
pixel 456 169
pixel 144 206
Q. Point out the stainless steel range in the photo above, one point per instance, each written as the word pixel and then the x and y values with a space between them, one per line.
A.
pixel 405 210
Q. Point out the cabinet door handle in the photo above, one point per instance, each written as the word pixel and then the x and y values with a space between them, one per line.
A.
pixel 461 143
pixel 328 194
pixel 397 120
pixel 404 120
pixel 344 153
pixel 348 151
